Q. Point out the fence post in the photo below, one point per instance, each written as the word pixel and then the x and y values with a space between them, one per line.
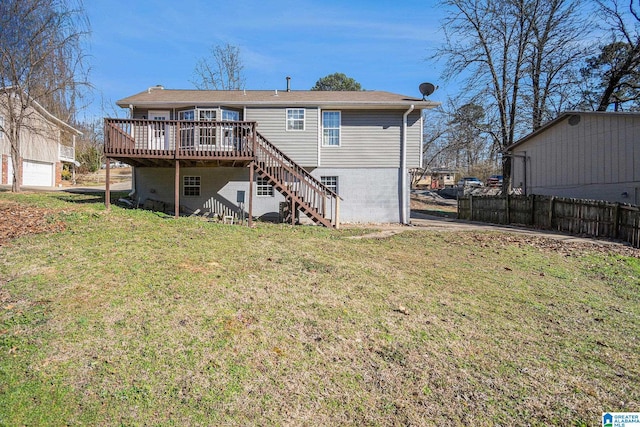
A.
pixel 533 209
pixel 507 210
pixel 470 207
pixel 551 200
pixel 616 220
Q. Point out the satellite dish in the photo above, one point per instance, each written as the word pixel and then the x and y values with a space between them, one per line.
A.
pixel 426 89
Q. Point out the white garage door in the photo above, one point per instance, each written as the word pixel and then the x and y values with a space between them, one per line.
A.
pixel 37 174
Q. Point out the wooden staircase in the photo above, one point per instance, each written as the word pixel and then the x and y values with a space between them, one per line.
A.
pixel 302 191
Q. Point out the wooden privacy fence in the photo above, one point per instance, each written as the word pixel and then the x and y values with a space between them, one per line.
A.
pixel 574 216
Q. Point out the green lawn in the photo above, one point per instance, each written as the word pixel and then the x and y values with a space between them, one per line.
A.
pixel 134 318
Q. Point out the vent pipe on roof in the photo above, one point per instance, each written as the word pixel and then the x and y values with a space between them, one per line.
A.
pixel 288 84
pixel 160 87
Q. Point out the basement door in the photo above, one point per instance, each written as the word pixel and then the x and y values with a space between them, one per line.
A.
pixel 158 132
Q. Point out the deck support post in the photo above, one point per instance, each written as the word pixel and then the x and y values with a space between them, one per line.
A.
pixel 251 170
pixel 293 212
pixel 177 190
pixel 107 187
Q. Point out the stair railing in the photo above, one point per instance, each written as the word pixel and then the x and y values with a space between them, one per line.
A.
pixel 310 195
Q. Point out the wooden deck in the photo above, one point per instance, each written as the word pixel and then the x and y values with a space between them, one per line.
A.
pixel 140 142
pixel 180 143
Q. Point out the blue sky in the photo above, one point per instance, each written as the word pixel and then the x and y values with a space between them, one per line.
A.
pixel 384 45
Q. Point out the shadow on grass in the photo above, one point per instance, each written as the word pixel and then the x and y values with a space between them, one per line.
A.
pixel 435 212
pixel 90 196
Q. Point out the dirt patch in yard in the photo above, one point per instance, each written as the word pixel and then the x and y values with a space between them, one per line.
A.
pixel 18 220
pixel 438 206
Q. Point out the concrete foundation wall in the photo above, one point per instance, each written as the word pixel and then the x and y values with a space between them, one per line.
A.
pixel 370 195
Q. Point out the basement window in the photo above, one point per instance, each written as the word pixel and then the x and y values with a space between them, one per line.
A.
pixel 263 188
pixel 191 186
pixel 331 182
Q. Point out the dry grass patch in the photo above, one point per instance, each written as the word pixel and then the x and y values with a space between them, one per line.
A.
pixel 132 318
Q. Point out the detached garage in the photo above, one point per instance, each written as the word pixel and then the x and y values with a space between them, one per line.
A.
pixel 581 154
pixel 45 143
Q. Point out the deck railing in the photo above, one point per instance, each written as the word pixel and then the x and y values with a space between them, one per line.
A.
pixel 67 153
pixel 178 139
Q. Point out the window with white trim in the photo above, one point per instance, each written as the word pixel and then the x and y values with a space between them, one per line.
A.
pixel 186 115
pixel 295 118
pixel 191 185
pixel 331 128
pixel 331 182
pixel 207 133
pixel 263 188
pixel 230 115
pixel 207 114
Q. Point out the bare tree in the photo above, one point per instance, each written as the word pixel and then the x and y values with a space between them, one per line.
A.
pixel 512 54
pixel 551 58
pixel 222 70
pixel 41 66
pixel 617 66
pixel 455 137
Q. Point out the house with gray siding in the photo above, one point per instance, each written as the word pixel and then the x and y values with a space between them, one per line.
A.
pixel 329 157
pixel 584 155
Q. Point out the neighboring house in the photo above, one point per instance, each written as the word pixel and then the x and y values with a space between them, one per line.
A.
pixel 332 156
pixel 585 155
pixel 438 178
pixel 46 143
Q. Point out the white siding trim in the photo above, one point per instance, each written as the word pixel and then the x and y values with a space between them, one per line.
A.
pixel 421 139
pixel 319 127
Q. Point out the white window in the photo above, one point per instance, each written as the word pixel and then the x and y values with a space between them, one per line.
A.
pixel 191 185
pixel 186 115
pixel 331 182
pixel 295 118
pixel 208 115
pixel 331 128
pixel 230 115
pixel 207 133
pixel 263 188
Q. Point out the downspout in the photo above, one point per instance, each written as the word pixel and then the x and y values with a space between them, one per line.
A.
pixel 403 165
pixel 133 169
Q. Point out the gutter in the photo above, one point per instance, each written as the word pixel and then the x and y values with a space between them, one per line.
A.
pixel 403 166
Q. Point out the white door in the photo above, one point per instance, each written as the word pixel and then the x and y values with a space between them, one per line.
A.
pixel 37 174
pixel 158 132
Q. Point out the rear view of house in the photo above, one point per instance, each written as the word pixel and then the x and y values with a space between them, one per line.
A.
pixel 46 144
pixel 329 156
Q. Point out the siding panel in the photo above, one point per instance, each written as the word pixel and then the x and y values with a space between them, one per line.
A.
pixel 368 139
pixel 597 158
pixel 301 146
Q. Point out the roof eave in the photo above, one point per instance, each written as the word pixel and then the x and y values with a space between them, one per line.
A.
pixel 124 103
